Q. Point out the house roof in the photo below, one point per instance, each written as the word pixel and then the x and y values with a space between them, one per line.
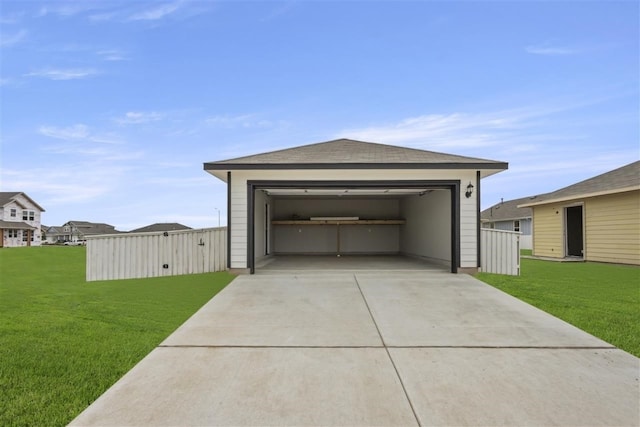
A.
pixel 15 225
pixel 161 226
pixel 625 178
pixel 9 196
pixel 351 154
pixel 92 228
pixel 508 210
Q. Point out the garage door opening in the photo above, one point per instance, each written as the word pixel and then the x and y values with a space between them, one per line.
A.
pixel 353 225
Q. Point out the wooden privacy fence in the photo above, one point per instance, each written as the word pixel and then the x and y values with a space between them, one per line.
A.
pixel 172 253
pixel 500 251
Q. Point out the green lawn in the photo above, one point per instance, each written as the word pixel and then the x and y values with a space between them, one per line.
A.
pixel 601 299
pixel 64 341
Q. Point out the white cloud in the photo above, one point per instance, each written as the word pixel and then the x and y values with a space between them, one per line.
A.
pixel 78 132
pixel 112 55
pixel 63 74
pixel 11 18
pixel 67 9
pixel 241 121
pixel 8 40
pixel 280 10
pixel 59 186
pixel 443 130
pixel 546 49
pixel 156 13
pixel 102 17
pixel 188 182
pixel 139 117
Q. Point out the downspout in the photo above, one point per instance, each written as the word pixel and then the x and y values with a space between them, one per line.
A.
pixel 478 235
pixel 229 219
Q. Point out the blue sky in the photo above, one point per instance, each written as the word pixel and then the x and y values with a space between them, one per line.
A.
pixel 110 108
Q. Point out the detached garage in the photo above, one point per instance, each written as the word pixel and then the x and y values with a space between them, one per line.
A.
pixel 347 197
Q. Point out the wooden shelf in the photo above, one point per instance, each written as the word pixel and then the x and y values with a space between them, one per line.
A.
pixel 340 222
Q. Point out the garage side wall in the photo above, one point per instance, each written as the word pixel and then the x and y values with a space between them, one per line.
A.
pixel 468 206
pixel 427 231
pixel 263 229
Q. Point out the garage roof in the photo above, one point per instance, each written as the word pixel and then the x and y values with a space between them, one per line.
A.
pixel 351 154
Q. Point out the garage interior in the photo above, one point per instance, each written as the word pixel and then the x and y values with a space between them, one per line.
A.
pixel 379 228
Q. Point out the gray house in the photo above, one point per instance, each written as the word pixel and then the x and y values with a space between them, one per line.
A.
pixel 74 231
pixel 508 216
pixel 353 197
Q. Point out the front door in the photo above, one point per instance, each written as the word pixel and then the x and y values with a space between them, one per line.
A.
pixel 574 231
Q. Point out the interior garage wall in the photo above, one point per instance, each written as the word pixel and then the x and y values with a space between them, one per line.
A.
pixel 427 232
pixel 261 202
pixel 323 239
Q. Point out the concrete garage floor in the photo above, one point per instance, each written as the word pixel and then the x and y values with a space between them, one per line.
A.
pixel 277 264
pixel 365 349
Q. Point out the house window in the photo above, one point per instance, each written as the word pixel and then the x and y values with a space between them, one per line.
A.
pixel 25 215
pixel 13 213
pixel 516 225
pixel 13 234
pixel 25 234
pixel 32 215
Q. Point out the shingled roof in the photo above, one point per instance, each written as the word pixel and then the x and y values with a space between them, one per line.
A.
pixel 351 154
pixel 161 226
pixel 8 196
pixel 625 178
pixel 508 210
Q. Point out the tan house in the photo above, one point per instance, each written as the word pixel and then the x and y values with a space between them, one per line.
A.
pixel 597 219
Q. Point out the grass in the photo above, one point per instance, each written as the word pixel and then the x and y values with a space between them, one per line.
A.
pixel 602 299
pixel 64 341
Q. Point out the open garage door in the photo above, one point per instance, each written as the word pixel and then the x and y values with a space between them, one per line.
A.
pixel 418 219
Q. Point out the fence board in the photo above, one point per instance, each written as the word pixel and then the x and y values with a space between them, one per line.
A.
pixel 138 255
pixel 500 251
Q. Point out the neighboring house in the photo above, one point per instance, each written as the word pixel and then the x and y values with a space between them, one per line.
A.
pixel 163 226
pixel 20 220
pixel 597 219
pixel 53 234
pixel 74 231
pixel 508 216
pixel 392 200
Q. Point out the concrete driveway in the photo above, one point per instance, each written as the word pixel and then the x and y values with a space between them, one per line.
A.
pixel 373 349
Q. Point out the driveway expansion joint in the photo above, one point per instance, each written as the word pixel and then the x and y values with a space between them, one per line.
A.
pixel 395 368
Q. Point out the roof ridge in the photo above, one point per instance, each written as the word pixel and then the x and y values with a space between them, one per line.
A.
pixel 348 153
